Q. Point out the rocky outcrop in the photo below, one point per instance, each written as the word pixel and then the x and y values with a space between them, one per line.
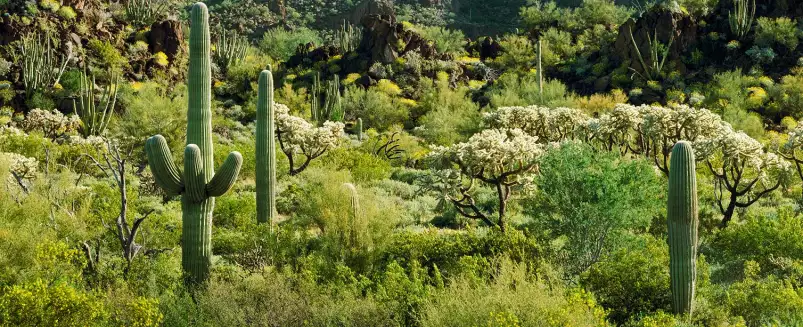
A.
pixel 657 25
pixel 384 40
pixel 372 7
pixel 167 37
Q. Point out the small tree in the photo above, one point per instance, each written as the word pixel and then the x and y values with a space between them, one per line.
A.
pixel 501 158
pixel 298 137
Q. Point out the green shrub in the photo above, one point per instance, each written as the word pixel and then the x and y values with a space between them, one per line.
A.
pixel 40 303
pixel 445 40
pixel 107 56
pixel 364 167
pixel 152 109
pixel 511 298
pixel 633 280
pixel 448 115
pixel 377 109
pixel 763 301
pixel 519 54
pixel 771 32
pixel 522 90
pixel 588 201
pixel 281 44
pixel 67 13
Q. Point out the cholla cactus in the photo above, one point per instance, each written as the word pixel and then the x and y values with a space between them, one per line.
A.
pixel 547 124
pixel 21 169
pixel 743 168
pixel 300 137
pixel 52 124
pixel 502 158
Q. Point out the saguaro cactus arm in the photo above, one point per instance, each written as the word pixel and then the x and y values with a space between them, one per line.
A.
pixel 194 174
pixel 226 176
pixel 163 167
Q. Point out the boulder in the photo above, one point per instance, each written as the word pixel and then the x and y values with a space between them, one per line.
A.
pixel 372 7
pixel 166 36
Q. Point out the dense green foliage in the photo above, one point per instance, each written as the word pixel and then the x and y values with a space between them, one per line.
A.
pixel 456 163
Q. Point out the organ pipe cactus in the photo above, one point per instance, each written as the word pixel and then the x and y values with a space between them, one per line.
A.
pixel 231 49
pixel 265 150
pixel 198 184
pixel 95 115
pixel 682 219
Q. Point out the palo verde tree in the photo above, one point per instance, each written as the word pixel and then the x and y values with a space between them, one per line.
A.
pixel 198 184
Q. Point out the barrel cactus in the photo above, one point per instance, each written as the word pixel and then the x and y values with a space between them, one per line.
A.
pixel 198 185
pixel 265 150
pixel 682 220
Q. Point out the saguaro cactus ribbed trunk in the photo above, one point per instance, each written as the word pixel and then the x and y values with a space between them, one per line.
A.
pixel 265 150
pixel 198 184
pixel 682 220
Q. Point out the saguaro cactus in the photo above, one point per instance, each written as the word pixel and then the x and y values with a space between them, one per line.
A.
pixel 359 129
pixel 265 150
pixel 198 184
pixel 682 220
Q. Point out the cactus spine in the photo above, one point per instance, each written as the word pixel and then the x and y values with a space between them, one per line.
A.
pixel 265 151
pixel 682 220
pixel 198 184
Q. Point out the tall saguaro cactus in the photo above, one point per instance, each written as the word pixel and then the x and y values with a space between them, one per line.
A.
pixel 682 220
pixel 265 150
pixel 198 184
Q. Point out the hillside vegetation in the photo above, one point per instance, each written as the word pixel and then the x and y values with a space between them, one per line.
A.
pixel 409 163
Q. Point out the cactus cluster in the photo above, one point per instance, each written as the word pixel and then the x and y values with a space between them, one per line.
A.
pixel 265 150
pixel 230 49
pixel 198 184
pixel 348 38
pixel 95 115
pixel 144 12
pixel 682 220
pixel 326 101
pixel 40 63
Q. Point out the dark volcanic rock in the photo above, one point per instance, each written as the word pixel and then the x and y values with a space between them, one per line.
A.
pixel 166 37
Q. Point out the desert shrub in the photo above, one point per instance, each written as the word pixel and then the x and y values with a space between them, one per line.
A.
pixel 42 303
pixel 633 280
pixel 762 301
pixel 107 56
pixel 152 109
pixel 602 103
pixel 364 167
pixel 511 298
pixel 272 299
pixel 247 17
pixel 235 209
pixel 281 44
pixel 378 109
pixel 445 40
pixel 772 32
pixel 589 201
pixel 324 202
pixel 774 243
pixel 295 99
pixel 514 90
pixel 519 54
pixel 445 249
pixel 448 115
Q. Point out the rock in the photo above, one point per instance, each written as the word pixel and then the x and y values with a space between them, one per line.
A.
pixel 372 7
pixel 78 5
pixel 658 25
pixel 490 49
pixel 166 37
pixel 380 38
pixel 8 33
pixel 602 83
